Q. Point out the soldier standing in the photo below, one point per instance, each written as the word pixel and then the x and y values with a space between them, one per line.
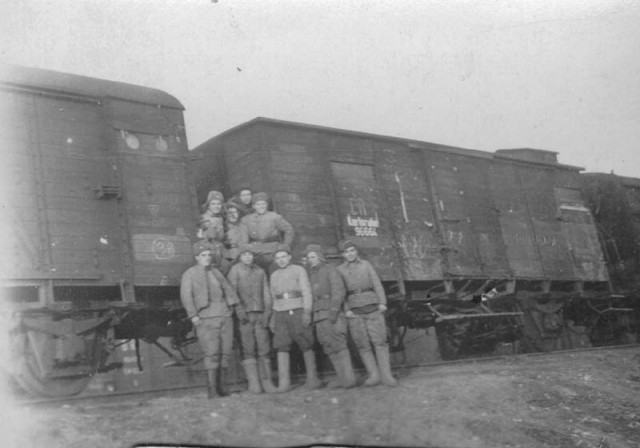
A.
pixel 211 221
pixel 331 325
pixel 292 307
pixel 237 234
pixel 209 300
pixel 250 283
pixel 266 231
pixel 366 303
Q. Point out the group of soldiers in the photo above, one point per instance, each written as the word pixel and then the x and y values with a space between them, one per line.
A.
pixel 244 266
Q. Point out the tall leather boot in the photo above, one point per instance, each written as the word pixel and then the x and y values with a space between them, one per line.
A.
pixel 348 377
pixel 382 353
pixel 211 384
pixel 251 369
pixel 264 367
pixel 338 381
pixel 221 383
pixel 284 380
pixel 372 369
pixel 312 372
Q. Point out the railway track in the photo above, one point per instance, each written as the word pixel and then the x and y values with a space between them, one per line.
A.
pixel 117 397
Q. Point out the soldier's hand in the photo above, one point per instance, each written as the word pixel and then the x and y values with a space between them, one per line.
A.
pixel 382 307
pixel 333 317
pixel 242 316
pixel 195 320
pixel 349 314
pixel 306 318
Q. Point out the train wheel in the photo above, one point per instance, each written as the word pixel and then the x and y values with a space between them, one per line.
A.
pixel 27 375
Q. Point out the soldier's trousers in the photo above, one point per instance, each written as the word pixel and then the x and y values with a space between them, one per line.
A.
pixel 255 337
pixel 367 329
pixel 288 329
pixel 332 337
pixel 215 335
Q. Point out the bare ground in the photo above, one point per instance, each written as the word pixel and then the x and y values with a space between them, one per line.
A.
pixel 580 399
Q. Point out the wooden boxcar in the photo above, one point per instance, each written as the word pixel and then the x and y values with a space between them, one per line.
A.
pixel 97 222
pixel 445 227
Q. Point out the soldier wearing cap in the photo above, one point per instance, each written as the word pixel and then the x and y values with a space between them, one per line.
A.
pixel 237 234
pixel 366 303
pixel 331 325
pixel 211 220
pixel 266 231
pixel 209 301
pixel 292 307
pixel 250 283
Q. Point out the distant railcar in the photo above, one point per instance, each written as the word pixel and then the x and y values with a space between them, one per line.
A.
pixel 97 219
pixel 486 247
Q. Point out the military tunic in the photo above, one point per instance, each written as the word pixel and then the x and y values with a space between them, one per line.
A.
pixel 250 283
pixel 207 294
pixel 328 298
pixel 364 295
pixel 291 293
pixel 266 231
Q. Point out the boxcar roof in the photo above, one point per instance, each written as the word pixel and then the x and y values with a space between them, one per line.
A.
pixel 14 76
pixel 504 154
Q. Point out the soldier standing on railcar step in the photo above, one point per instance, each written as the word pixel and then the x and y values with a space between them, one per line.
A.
pixel 266 231
pixel 209 300
pixel 292 308
pixel 331 325
pixel 237 234
pixel 211 229
pixel 252 288
pixel 366 303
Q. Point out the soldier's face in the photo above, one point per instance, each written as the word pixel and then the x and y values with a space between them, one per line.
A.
pixel 204 258
pixel 246 258
pixel 245 197
pixel 313 259
pixel 350 254
pixel 232 215
pixel 215 206
pixel 260 207
pixel 283 259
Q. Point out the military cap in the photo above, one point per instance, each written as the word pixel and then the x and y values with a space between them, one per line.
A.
pixel 262 196
pixel 200 246
pixel 314 248
pixel 232 204
pixel 345 244
pixel 283 248
pixel 245 248
pixel 213 194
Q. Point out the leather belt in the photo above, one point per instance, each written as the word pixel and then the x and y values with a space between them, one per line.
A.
pixel 290 295
pixel 351 292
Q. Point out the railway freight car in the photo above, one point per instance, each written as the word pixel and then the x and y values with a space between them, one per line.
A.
pixel 615 204
pixel 97 219
pixel 485 247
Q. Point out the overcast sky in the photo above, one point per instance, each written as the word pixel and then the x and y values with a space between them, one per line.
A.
pixel 561 76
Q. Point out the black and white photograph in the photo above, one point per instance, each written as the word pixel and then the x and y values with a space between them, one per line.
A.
pixel 320 223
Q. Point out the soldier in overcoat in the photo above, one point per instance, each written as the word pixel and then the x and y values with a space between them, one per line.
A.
pixel 209 301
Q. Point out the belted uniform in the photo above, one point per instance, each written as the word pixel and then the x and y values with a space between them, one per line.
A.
pixel 266 231
pixel 364 295
pixel 207 294
pixel 291 294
